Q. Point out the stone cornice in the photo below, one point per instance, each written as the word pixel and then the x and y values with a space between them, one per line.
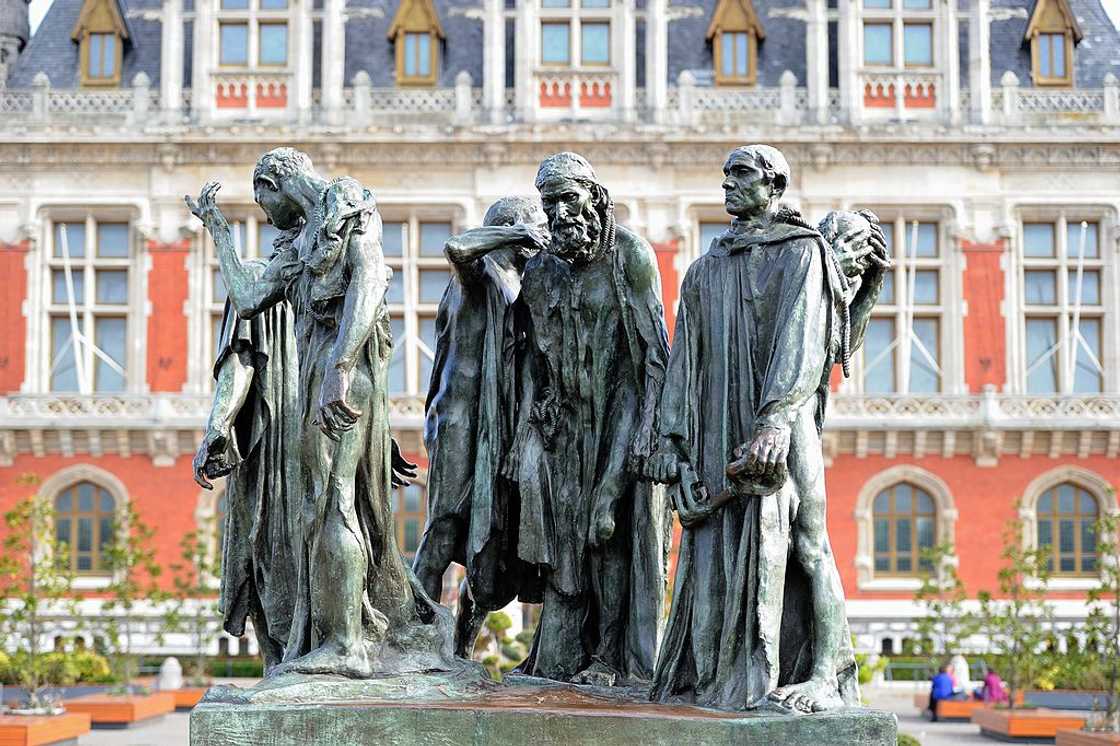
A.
pixel 629 149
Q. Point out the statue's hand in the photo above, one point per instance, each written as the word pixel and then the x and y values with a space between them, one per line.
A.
pixel 602 524
pixel 211 453
pixel 404 471
pixel 335 415
pixel 662 467
pixel 531 237
pixel 207 210
pixel 769 448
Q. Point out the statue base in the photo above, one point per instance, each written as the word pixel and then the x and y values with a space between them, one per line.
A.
pixel 464 708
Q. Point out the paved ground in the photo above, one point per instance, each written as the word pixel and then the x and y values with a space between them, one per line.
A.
pixel 173 729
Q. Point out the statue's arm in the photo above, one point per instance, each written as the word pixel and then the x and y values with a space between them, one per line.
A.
pixel 649 320
pixel 465 249
pixel 863 303
pixel 231 389
pixel 363 298
pixel 250 288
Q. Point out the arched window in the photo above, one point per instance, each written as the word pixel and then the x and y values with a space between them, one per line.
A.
pixel 905 519
pixel 1067 529
pixel 85 516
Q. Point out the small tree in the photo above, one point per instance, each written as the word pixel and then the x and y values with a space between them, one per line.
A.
pixel 1018 623
pixel 945 623
pixel 131 560
pixel 35 579
pixel 1103 623
pixel 195 608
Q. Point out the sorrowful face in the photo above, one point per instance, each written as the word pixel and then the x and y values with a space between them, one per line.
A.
pixel 746 188
pixel 573 219
pixel 282 211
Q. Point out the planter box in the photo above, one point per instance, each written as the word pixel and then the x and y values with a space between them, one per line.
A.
pixel 38 730
pixel 1084 738
pixel 188 696
pixel 1068 699
pixel 121 711
pixel 955 709
pixel 1025 725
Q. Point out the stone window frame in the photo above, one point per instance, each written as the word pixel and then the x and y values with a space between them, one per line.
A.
pixel 37 375
pixel 99 18
pixel 898 17
pixel 865 526
pixel 401 515
pixel 253 17
pixel 735 17
pixel 1060 214
pixel 575 15
pixel 1096 485
pixel 70 476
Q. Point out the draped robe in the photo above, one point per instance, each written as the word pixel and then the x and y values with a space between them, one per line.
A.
pixel 756 337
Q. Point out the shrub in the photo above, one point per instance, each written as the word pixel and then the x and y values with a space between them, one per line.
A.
pixel 92 668
pixel 905 739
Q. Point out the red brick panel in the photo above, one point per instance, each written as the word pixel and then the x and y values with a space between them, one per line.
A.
pixel 985 328
pixel 595 95
pixel 13 291
pixel 167 326
pixel 272 95
pixel 667 252
pixel 556 94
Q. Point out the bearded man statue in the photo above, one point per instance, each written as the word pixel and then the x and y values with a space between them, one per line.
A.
pixel 592 364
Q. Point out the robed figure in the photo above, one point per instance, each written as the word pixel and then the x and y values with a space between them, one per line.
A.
pixel 763 316
pixel 251 424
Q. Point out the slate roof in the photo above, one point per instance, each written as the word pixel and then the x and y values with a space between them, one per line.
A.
pixel 52 51
pixel 1096 55
pixel 367 47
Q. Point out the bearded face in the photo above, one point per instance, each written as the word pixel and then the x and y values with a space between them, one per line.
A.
pixel 573 220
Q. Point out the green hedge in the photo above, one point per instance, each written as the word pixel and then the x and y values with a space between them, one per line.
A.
pixel 237 668
pixel 56 668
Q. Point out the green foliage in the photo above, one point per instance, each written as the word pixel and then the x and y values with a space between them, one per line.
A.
pixel 945 623
pixel 241 668
pixel 867 669
pixel 1102 627
pixel 908 740
pixel 501 653
pixel 131 560
pixel 195 607
pixel 1018 624
pixel 35 580
pixel 59 668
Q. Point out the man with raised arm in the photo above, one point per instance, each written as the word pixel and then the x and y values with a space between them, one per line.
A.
pixel 358 608
pixel 472 509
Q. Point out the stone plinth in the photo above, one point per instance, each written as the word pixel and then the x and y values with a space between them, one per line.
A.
pixel 480 714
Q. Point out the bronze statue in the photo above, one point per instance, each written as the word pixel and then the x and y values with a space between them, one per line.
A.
pixel 358 609
pixel 472 509
pixel 592 356
pixel 758 609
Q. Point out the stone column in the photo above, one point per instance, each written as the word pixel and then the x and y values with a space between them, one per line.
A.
pixel 333 61
pixel 299 100
pixel 494 61
pixel 171 60
pixel 527 51
pixel 979 62
pixel 627 61
pixel 816 60
pixel 951 73
pixel 657 59
pixel 202 61
pixel 848 48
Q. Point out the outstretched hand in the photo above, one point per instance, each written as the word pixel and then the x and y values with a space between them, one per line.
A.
pixel 206 208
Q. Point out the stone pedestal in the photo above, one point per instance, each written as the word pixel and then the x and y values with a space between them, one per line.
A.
pixel 450 710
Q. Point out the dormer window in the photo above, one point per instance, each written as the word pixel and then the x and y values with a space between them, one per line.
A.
pixel 734 33
pixel 416 32
pixel 100 33
pixel 1052 32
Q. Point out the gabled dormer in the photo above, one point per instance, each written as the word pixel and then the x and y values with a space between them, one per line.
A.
pixel 1053 34
pixel 416 34
pixel 734 34
pixel 101 33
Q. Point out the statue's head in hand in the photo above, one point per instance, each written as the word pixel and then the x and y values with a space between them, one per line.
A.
pixel 754 179
pixel 277 180
pixel 526 211
pixel 579 210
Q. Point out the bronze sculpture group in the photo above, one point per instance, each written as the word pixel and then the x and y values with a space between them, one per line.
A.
pixel 561 433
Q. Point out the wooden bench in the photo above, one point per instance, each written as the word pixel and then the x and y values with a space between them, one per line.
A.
pixel 122 710
pixel 1025 724
pixel 39 730
pixel 187 697
pixel 950 709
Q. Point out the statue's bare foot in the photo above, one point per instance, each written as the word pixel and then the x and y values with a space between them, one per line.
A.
pixel 331 658
pixel 597 674
pixel 814 695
